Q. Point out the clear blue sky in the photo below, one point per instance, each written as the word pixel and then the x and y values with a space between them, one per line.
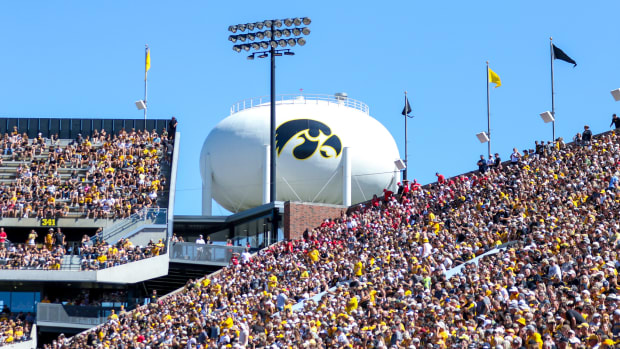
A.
pixel 86 59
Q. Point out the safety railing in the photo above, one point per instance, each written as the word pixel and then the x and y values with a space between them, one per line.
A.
pixel 300 99
pixel 48 313
pixel 192 252
pixel 144 217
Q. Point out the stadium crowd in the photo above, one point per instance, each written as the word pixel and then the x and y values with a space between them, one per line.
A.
pixel 14 328
pixel 95 253
pixel 103 176
pixel 376 277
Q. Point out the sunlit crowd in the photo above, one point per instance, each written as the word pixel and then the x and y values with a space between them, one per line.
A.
pixel 377 277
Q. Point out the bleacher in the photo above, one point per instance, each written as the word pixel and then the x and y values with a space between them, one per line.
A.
pixel 116 187
pixel 407 272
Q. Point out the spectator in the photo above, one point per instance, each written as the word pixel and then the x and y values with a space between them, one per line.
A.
pixel 482 165
pixel 615 121
pixel 586 136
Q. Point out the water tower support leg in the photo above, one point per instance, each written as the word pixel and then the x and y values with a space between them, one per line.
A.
pixel 346 176
pixel 266 174
pixel 207 195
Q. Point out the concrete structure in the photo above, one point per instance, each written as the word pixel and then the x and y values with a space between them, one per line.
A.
pixel 313 134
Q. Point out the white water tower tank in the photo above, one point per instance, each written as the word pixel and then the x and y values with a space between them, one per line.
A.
pixel 311 134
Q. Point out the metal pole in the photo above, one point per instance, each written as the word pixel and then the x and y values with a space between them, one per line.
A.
pixel 488 112
pixel 272 129
pixel 146 53
pixel 552 94
pixel 406 155
pixel 272 135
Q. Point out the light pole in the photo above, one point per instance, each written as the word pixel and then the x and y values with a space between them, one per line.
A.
pixel 266 44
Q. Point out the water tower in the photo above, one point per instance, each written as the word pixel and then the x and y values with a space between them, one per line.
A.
pixel 329 150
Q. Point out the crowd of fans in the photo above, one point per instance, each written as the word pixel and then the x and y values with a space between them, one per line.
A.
pixel 15 327
pixel 103 176
pixel 376 277
pixel 95 253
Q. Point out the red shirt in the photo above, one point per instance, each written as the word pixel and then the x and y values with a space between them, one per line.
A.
pixel 2 237
pixel 441 178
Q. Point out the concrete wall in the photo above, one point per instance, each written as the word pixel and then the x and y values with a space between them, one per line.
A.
pixel 129 273
pixel 299 216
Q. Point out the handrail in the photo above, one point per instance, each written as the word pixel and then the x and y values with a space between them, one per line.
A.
pixel 144 217
pixel 299 99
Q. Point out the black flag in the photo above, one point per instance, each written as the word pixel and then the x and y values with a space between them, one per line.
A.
pixel 407 108
pixel 559 54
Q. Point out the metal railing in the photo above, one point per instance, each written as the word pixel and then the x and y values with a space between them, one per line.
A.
pixel 192 252
pixel 144 217
pixel 300 99
pixel 74 314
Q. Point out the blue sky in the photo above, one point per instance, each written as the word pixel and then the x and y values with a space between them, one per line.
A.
pixel 86 59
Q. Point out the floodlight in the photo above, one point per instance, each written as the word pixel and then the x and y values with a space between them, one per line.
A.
pixel 269 42
pixel 482 137
pixel 547 117
pixel 141 105
pixel 400 164
pixel 616 94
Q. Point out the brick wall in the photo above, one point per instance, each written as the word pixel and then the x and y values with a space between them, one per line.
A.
pixel 299 216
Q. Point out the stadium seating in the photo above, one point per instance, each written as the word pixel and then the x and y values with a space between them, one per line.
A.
pixel 378 274
pixel 106 176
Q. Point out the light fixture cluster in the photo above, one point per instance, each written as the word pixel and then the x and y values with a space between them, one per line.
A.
pixel 271 37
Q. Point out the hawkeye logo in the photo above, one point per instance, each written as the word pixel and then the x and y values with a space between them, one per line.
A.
pixel 315 136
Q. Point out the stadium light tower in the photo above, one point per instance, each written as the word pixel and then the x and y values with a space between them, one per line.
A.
pixel 266 43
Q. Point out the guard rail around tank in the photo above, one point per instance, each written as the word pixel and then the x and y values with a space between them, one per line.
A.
pixel 299 99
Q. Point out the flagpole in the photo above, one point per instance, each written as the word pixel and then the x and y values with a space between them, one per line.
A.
pixel 488 112
pixel 406 155
pixel 552 94
pixel 146 53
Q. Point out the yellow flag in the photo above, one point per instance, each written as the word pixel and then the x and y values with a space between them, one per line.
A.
pixel 493 77
pixel 148 60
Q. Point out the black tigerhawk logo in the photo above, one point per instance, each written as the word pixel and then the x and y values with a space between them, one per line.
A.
pixel 315 135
